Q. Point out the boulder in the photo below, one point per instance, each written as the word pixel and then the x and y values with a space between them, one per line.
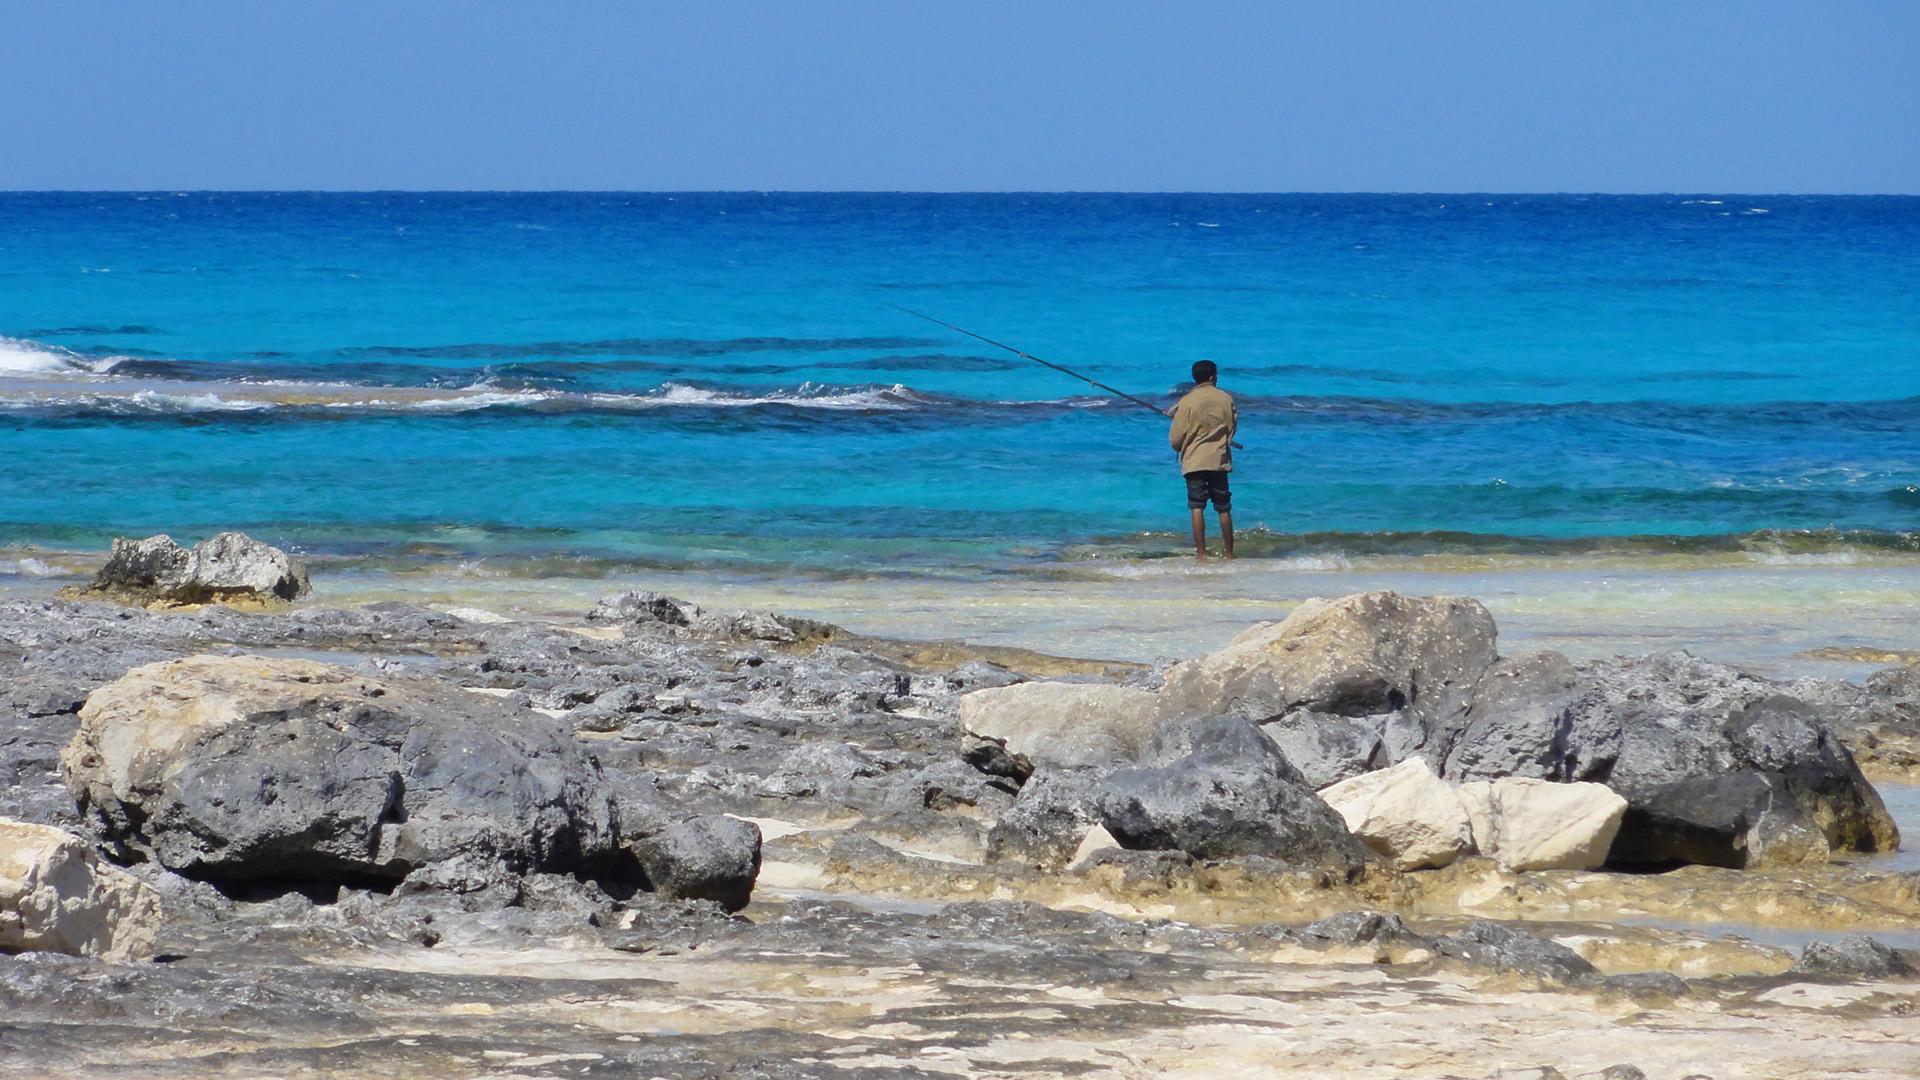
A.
pixel 1325 747
pixel 1232 794
pixel 1534 716
pixel 1360 655
pixel 1717 766
pixel 1048 821
pixel 225 568
pixel 1531 824
pixel 241 769
pixel 712 857
pixel 1063 724
pixel 1406 813
pixel 56 895
pixel 1855 956
pixel 644 606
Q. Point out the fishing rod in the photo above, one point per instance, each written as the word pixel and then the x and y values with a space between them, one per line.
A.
pixel 1029 356
pixel 1044 363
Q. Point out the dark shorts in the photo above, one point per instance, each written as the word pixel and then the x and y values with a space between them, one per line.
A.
pixel 1202 486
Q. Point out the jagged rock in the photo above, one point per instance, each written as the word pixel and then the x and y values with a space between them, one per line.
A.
pixel 703 858
pixel 1360 655
pixel 1357 928
pixel 246 769
pixel 1406 813
pixel 1855 956
pixel 1232 794
pixel 949 786
pixel 1534 716
pixel 1325 747
pixel 992 757
pixel 1538 825
pixel 636 606
pixel 225 568
pixel 57 895
pixel 1047 823
pixel 1063 724
pixel 1498 948
pixel 1717 766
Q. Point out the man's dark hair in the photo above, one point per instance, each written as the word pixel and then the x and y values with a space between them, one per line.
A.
pixel 1205 371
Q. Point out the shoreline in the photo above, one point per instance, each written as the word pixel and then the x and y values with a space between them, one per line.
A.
pixel 1783 620
pixel 883 932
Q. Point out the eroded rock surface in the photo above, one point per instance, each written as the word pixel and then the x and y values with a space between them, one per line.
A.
pixel 251 769
pixel 1230 793
pixel 1360 655
pixel 227 568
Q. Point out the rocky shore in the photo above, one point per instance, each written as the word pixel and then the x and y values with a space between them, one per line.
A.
pixel 658 840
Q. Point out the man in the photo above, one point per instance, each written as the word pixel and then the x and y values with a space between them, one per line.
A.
pixel 1202 434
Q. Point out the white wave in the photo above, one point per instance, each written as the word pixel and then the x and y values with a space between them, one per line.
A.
pixel 1702 202
pixel 160 401
pixel 19 356
pixel 30 567
pixel 806 396
pixel 486 399
pixel 1842 557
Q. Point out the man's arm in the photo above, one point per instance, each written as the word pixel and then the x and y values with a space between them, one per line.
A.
pixel 1180 430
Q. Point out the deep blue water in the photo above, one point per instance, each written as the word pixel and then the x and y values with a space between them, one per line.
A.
pixel 720 378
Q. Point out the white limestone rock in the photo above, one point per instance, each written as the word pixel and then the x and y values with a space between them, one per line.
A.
pixel 56 895
pixel 1531 824
pixel 1064 724
pixel 1406 813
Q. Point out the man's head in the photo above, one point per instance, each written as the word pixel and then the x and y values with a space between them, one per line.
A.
pixel 1205 371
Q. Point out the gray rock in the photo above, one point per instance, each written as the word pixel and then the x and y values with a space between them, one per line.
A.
pixel 1533 717
pixel 1717 766
pixel 1326 747
pixel 1357 928
pixel 248 770
pixel 1855 956
pixel 1622 1072
pixel 1502 949
pixel 1360 655
pixel 991 756
pixel 1048 820
pixel 227 567
pixel 703 858
pixel 1231 794
pixel 153 563
pixel 644 607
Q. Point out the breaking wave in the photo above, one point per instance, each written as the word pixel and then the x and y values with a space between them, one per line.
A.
pixel 19 356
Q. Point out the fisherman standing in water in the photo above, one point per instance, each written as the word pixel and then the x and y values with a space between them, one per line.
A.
pixel 1202 434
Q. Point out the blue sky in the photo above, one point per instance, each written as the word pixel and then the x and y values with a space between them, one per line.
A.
pixel 911 95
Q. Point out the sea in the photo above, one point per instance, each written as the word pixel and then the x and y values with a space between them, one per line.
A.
pixel 1627 422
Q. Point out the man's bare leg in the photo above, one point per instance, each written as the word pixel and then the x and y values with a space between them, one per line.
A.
pixel 1226 531
pixel 1200 534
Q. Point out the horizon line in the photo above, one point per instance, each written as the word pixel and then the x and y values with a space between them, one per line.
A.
pixel 1410 192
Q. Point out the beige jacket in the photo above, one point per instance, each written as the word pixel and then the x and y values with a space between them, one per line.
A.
pixel 1203 425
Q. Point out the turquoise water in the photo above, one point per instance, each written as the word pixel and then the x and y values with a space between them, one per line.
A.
pixel 719 380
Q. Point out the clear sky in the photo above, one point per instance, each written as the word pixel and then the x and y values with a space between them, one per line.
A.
pixel 1554 95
